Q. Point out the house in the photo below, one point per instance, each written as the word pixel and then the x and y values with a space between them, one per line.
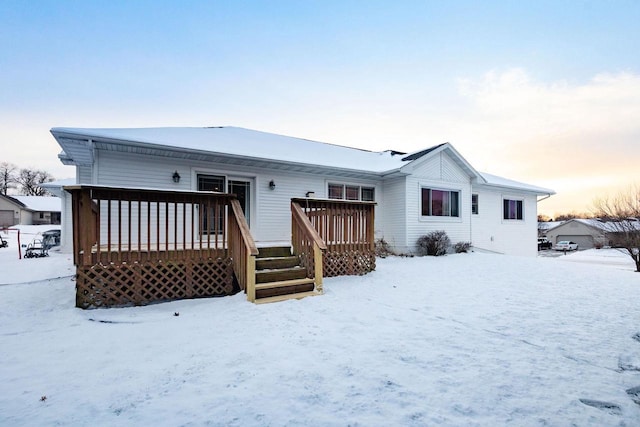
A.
pixel 29 210
pixel 587 233
pixel 410 194
pixel 544 226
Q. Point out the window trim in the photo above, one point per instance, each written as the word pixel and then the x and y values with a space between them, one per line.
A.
pixel 458 207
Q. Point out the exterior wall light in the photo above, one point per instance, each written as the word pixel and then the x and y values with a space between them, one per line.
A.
pixel 272 185
pixel 176 177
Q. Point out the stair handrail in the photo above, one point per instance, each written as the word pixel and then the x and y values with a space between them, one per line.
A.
pixel 243 250
pixel 305 237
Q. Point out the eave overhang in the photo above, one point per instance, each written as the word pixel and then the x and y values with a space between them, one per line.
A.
pixel 79 150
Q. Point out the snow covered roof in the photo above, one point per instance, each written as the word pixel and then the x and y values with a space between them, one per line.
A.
pixel 58 183
pixel 548 225
pixel 40 203
pixel 606 226
pixel 253 147
pixel 242 142
pixel 497 181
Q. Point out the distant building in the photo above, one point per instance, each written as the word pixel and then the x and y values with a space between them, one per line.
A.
pixel 29 210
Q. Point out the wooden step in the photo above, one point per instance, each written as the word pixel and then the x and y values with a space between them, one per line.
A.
pixel 284 287
pixel 283 283
pixel 274 251
pixel 277 262
pixel 276 275
pixel 279 298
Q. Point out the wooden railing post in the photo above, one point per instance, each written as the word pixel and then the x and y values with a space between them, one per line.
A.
pixel 251 277
pixel 317 263
pixel 86 228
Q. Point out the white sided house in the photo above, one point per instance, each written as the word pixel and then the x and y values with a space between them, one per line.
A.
pixel 171 213
pixel 414 194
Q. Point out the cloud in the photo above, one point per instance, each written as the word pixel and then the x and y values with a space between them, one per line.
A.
pixel 576 137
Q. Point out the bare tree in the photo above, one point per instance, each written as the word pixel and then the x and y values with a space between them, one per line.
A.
pixel 544 218
pixel 30 180
pixel 7 176
pixel 621 214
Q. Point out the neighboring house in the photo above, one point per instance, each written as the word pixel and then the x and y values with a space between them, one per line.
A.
pixel 29 210
pixel 587 233
pixel 432 189
pixel 544 226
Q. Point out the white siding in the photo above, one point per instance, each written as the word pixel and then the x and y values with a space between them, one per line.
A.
pixel 439 172
pixel 270 212
pixel 66 227
pixel 84 175
pixel 394 225
pixel 491 232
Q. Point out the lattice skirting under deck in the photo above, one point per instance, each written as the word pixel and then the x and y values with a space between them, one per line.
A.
pixel 122 284
pixel 350 263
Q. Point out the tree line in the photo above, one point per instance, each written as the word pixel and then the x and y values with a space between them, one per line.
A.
pixel 25 180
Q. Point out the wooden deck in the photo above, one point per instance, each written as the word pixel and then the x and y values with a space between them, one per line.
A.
pixel 138 246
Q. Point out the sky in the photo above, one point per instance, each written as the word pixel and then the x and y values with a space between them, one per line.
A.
pixel 544 92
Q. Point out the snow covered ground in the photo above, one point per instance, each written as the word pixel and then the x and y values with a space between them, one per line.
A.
pixel 469 339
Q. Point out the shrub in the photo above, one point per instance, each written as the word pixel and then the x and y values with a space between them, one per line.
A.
pixel 383 249
pixel 435 243
pixel 462 247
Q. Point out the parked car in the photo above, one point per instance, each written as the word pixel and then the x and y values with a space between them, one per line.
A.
pixel 566 245
pixel 51 238
pixel 544 243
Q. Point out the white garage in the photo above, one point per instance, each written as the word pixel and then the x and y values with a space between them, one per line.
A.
pixel 587 233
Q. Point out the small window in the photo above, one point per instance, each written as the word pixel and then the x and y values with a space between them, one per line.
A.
pixel 351 192
pixel 41 215
pixel 512 209
pixel 474 204
pixel 440 202
pixel 336 191
pixel 368 194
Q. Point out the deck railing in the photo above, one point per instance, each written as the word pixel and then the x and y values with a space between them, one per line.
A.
pixel 307 244
pixel 243 250
pixel 135 246
pixel 347 229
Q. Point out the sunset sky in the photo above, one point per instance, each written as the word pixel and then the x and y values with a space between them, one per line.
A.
pixel 545 92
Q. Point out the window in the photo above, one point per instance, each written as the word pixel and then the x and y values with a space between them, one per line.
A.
pixel 474 204
pixel 440 202
pixel 351 192
pixel 212 183
pixel 368 194
pixel 512 209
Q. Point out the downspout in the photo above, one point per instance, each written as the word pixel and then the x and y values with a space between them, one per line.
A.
pixel 544 198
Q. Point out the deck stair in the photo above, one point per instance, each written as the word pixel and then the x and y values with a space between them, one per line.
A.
pixel 279 276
